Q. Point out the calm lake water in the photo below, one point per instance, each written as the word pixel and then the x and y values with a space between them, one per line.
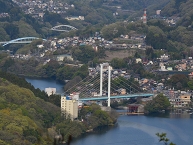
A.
pixel 134 130
pixel 141 130
pixel 46 83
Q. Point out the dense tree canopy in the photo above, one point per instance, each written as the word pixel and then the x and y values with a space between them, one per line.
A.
pixel 178 81
pixel 84 53
pixel 158 104
pixel 117 63
pixel 23 116
pixel 53 18
pixel 156 38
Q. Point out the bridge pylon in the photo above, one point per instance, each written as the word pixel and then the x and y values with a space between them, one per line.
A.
pixel 101 80
pixel 109 83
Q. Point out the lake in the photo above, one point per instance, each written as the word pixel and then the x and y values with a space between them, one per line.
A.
pixel 141 130
pixel 134 130
pixel 46 83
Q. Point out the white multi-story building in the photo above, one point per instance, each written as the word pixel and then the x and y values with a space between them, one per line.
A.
pixel 50 91
pixel 69 107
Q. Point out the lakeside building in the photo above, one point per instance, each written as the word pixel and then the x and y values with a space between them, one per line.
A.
pixel 179 98
pixel 135 108
pixel 69 107
pixel 50 91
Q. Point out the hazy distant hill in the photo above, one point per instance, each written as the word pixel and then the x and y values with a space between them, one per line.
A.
pixel 17 24
pixel 6 5
pixel 180 8
pixel 138 4
pixel 97 12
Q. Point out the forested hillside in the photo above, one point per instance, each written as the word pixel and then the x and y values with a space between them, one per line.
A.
pixel 182 9
pixel 5 6
pixel 24 118
pixel 18 24
pixel 97 12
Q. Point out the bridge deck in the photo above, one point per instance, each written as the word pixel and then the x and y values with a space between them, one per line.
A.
pixel 116 97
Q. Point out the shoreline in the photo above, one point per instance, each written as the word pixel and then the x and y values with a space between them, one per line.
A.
pixel 130 113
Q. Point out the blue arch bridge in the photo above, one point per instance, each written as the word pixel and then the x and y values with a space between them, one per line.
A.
pixel 63 28
pixel 102 86
pixel 21 40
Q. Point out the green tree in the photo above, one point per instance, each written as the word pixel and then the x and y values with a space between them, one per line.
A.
pixel 156 38
pixel 3 35
pixel 85 53
pixel 51 68
pixel 190 84
pixel 114 30
pixel 164 139
pixel 118 63
pixel 8 62
pixel 53 18
pixel 150 53
pixel 82 72
pixel 96 3
pixel 157 105
pixel 65 73
pixel 12 30
pixel 15 13
pixel 178 81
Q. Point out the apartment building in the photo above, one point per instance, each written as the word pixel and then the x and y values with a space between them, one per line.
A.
pixel 179 99
pixel 69 107
pixel 185 99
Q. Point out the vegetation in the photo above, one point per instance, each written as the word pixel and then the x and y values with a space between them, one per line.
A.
pixel 28 119
pixel 164 139
pixel 91 117
pixel 158 33
pixel 33 68
pixel 24 117
pixel 159 104
pixel 179 81
pixel 28 116
pixel 21 82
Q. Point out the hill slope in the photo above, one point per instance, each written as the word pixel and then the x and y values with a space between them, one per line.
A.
pixel 24 118
pixel 182 9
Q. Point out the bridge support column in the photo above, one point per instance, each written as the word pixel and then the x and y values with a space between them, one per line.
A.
pixel 109 86
pixel 101 80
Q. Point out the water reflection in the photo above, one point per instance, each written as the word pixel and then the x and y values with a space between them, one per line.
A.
pixel 180 113
pixel 176 113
